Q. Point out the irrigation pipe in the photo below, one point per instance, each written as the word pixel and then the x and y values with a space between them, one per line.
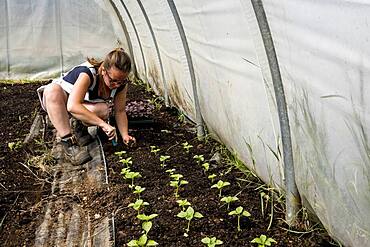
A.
pixel 104 160
pixel 292 194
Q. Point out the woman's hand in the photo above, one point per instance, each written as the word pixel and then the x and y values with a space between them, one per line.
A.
pixel 129 140
pixel 110 131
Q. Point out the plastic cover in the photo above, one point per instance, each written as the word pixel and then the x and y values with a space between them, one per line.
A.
pixel 322 49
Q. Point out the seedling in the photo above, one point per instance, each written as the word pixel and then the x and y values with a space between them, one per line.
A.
pixel 132 176
pixel 177 182
pixel 126 161
pixel 211 242
pixel 154 150
pixel 138 190
pixel 189 214
pixel 198 158
pixel 147 224
pixel 170 171
pixel 229 199
pixel 125 170
pixel 239 211
pixel 263 241
pixel 163 159
pixel 220 184
pixel 120 153
pixel 181 118
pixel 142 241
pixel 205 166
pixel 183 203
pixel 13 146
pixel 212 177
pixel 187 146
pixel 138 204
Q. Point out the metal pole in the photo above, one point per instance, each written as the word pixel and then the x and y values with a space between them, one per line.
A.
pixel 137 36
pixel 292 194
pixel 198 120
pixel 157 49
pixel 7 37
pixel 127 36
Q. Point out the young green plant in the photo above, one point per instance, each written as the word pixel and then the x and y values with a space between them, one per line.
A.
pixel 120 154
pixel 138 190
pixel 212 177
pixel 126 161
pixel 228 200
pixel 239 212
pixel 205 167
pixel 142 241
pixel 163 159
pixel 183 203
pixel 220 185
pixel 177 182
pixel 189 214
pixel 211 241
pixel 132 176
pixel 198 158
pixel 147 224
pixel 138 205
pixel 263 241
pixel 154 150
pixel 187 146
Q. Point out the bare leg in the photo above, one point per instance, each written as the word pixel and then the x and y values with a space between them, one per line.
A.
pixel 55 100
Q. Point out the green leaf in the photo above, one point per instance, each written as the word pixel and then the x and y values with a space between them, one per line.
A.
pixel 190 211
pixel 239 210
pixel 219 242
pixel 132 243
pixel 142 240
pixel 246 213
pixel 147 225
pixel 182 214
pixel 257 241
pixel 263 238
pixel 152 243
pixel 206 240
pixel 198 215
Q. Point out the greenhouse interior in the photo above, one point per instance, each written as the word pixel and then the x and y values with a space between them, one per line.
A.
pixel 228 123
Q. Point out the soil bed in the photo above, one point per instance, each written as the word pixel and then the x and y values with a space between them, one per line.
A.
pixel 24 192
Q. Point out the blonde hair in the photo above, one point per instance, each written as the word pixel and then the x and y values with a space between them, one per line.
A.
pixel 117 58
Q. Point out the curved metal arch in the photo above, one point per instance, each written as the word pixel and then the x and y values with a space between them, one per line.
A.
pixel 292 194
pixel 127 36
pixel 137 36
pixel 158 52
pixel 180 28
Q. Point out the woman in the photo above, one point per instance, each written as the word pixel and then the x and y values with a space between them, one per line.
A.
pixel 89 92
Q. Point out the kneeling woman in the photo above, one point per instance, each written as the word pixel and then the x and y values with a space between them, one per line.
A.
pixel 90 92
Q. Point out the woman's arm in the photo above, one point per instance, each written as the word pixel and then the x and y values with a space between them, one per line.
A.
pixel 121 116
pixel 78 110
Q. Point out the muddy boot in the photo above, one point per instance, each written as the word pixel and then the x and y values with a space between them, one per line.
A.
pixel 81 132
pixel 57 149
pixel 74 153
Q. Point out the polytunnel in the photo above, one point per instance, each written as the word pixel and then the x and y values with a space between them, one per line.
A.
pixel 280 83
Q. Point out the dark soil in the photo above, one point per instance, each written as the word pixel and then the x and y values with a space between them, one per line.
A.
pixel 25 191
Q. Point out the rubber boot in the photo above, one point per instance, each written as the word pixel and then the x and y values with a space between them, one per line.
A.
pixel 81 132
pixel 74 153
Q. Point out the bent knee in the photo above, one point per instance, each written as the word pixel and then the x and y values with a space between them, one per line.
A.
pixel 54 93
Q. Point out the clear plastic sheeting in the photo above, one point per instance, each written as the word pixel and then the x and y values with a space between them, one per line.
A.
pixel 42 38
pixel 323 55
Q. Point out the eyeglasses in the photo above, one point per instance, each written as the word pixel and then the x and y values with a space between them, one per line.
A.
pixel 119 82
